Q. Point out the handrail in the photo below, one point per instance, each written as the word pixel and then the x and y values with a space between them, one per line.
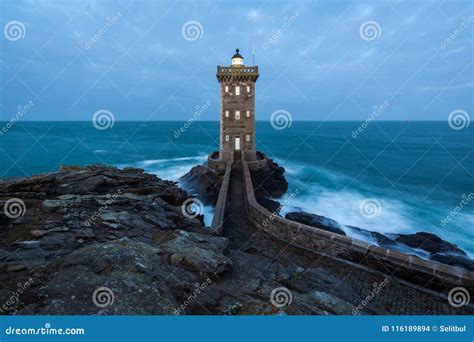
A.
pixel 219 212
pixel 322 241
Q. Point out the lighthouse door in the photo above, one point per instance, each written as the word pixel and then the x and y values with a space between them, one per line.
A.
pixel 237 151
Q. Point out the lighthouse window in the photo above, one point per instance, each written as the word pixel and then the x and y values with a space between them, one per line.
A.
pixel 226 89
pixel 247 137
pixel 237 115
pixel 237 90
pixel 226 138
pixel 248 89
pixel 226 113
pixel 248 113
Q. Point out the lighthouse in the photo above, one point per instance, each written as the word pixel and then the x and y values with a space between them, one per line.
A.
pixel 237 114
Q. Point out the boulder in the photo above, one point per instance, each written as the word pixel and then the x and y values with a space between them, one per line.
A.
pixel 270 181
pixel 317 221
pixel 204 182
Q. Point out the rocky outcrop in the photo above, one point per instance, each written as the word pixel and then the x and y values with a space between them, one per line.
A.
pixel 317 221
pixel 270 181
pixel 422 244
pixel 203 182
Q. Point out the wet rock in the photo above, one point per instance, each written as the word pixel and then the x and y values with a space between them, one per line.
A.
pixel 269 204
pixel 199 253
pixel 317 221
pixel 204 182
pixel 429 242
pixel 270 181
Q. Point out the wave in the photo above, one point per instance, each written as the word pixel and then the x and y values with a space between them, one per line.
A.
pixel 339 197
pixel 146 163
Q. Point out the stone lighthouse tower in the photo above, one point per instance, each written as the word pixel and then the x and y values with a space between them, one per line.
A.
pixel 237 110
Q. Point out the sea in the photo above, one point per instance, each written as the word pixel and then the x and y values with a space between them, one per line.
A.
pixel 390 177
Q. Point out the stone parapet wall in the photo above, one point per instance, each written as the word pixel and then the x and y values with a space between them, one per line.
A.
pixel 219 212
pixel 346 248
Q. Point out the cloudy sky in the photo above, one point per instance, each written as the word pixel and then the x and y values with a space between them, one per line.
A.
pixel 156 60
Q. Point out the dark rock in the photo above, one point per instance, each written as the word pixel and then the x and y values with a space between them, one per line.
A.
pixel 429 242
pixel 203 182
pixel 269 204
pixel 454 260
pixel 317 221
pixel 270 181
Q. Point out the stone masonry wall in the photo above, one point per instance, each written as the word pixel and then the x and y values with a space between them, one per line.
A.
pixel 342 247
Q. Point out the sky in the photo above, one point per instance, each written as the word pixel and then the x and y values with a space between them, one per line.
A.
pixel 156 60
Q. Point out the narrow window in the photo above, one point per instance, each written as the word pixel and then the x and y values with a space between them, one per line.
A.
pixel 226 113
pixel 226 138
pixel 237 90
pixel 226 89
pixel 237 115
pixel 248 113
pixel 248 89
pixel 247 137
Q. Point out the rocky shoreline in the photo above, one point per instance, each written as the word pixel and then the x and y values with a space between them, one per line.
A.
pixel 103 240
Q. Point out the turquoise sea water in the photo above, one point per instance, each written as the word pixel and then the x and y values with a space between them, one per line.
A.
pixel 417 172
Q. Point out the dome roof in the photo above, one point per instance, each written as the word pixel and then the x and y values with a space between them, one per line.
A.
pixel 237 54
